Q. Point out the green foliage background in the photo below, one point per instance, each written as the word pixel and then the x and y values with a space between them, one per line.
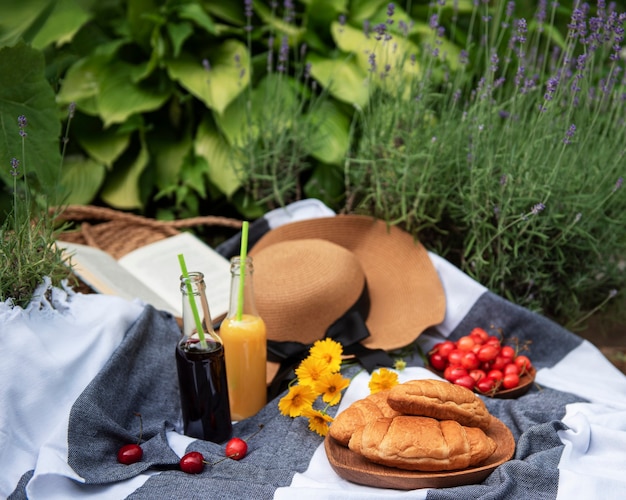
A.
pixel 196 107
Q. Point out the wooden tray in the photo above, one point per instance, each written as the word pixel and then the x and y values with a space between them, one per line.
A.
pixel 358 469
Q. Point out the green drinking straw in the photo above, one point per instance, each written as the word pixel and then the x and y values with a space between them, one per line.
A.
pixel 242 267
pixel 192 302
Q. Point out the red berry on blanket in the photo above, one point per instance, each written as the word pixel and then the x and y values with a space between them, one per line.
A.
pixel 192 462
pixel 236 448
pixel 129 454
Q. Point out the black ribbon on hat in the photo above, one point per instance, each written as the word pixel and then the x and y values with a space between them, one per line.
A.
pixel 349 330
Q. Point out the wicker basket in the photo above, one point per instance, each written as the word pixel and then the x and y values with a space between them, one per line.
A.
pixel 119 233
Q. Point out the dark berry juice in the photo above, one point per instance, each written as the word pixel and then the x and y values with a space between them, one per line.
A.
pixel 203 391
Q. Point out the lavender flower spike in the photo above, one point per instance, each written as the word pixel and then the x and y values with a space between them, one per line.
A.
pixel 539 207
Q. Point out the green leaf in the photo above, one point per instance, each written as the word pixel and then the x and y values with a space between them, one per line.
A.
pixel 342 78
pixel 398 54
pixel 275 23
pixel 119 97
pixel 221 159
pixel 62 24
pixel 360 10
pixel 227 78
pixel 330 133
pixel 24 90
pixel 141 26
pixel 23 19
pixel 81 179
pixel 195 13
pixel 122 187
pixel 103 145
pixel 168 152
pixel 326 183
pixel 270 108
pixel 231 12
pixel 178 34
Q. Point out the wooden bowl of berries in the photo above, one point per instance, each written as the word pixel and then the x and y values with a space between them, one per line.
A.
pixel 485 364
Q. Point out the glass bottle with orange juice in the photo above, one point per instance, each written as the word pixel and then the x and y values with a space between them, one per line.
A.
pixel 244 336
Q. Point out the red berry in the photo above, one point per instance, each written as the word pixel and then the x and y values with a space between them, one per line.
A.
pixel 487 352
pixel 465 381
pixel 455 356
pixel 497 375
pixel 438 362
pixel 236 448
pixel 477 375
pixel 511 368
pixel 465 343
pixel 470 361
pixel 507 351
pixel 510 380
pixel 486 385
pixel 523 363
pixel 192 463
pixel 479 335
pixel 129 454
pixel 445 347
pixel 452 372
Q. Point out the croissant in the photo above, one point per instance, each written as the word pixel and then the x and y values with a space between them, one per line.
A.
pixel 440 400
pixel 358 414
pixel 421 444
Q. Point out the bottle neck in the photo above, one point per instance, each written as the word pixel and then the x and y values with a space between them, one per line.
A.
pixel 241 287
pixel 196 312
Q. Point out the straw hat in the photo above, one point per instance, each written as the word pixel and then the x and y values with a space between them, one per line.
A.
pixel 308 274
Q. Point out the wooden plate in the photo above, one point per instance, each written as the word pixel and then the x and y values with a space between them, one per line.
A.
pixel 357 469
pixel 525 383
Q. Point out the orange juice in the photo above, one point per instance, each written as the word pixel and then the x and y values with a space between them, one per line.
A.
pixel 245 350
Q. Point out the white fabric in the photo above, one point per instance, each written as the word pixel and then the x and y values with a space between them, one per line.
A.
pixel 53 349
pixel 594 459
pixel 309 208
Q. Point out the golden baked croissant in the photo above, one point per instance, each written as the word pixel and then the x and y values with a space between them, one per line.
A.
pixel 358 414
pixel 440 400
pixel 422 443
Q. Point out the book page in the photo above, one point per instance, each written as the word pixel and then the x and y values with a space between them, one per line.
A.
pixel 157 266
pixel 105 275
pixel 152 272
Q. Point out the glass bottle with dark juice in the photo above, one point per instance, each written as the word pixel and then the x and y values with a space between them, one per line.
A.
pixel 201 369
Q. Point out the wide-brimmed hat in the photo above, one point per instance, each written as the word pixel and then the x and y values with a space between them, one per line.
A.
pixel 310 275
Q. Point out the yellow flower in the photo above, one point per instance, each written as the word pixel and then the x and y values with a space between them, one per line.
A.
pixel 382 380
pixel 399 365
pixel 328 350
pixel 311 370
pixel 318 421
pixel 297 400
pixel 330 387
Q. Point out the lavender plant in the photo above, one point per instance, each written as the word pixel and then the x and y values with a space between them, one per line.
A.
pixel 511 164
pixel 27 236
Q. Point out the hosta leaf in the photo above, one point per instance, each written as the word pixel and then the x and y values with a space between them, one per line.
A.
pixel 195 13
pixel 120 98
pixel 81 179
pixel 168 154
pixel 343 78
pixel 330 133
pixel 222 162
pixel 228 76
pixel 269 107
pixel 104 146
pixel 24 90
pixel 397 54
pixel 122 188
pixel 62 24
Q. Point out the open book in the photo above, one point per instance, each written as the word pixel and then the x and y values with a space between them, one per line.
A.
pixel 152 272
